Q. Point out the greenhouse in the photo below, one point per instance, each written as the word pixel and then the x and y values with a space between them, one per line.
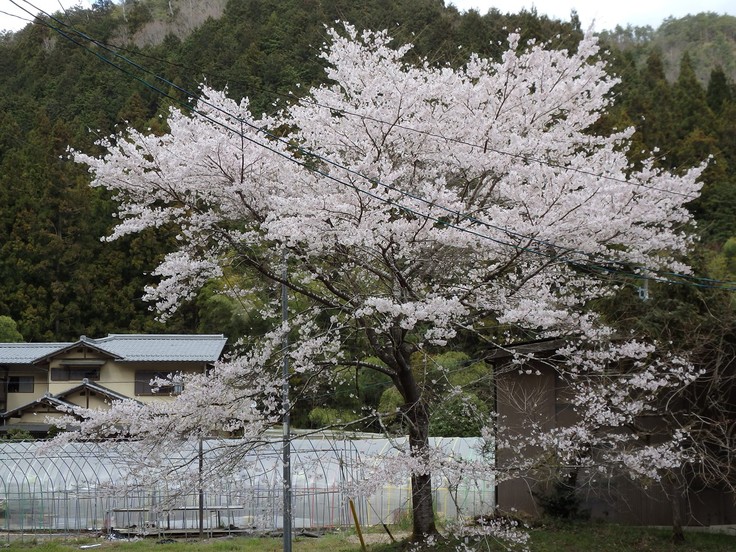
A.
pixel 113 486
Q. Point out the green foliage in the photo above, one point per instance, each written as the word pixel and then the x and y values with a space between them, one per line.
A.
pixel 460 416
pixel 460 394
pixel 57 280
pixel 390 412
pixel 327 417
pixel 562 501
pixel 719 92
pixel 729 248
pixel 722 264
pixel 18 435
pixel 9 331
pixel 391 401
pixel 708 38
pixel 353 394
pixel 218 312
pixel 371 384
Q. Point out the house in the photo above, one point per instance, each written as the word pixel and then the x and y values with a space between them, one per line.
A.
pixel 37 378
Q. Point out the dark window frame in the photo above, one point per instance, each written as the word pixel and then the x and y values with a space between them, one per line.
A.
pixel 143 384
pixel 21 384
pixel 75 373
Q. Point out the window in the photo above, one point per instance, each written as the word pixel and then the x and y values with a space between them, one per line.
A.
pixel 75 373
pixel 143 384
pixel 20 384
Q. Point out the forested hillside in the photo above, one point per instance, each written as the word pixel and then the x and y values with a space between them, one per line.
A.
pixel 60 89
pixel 708 38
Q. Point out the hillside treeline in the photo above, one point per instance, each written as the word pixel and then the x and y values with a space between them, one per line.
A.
pixel 65 82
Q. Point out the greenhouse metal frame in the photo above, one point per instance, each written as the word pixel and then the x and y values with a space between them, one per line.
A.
pixel 98 486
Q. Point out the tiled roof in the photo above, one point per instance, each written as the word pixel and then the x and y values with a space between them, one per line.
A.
pixel 26 353
pixel 47 399
pixel 162 347
pixel 127 347
pixel 59 399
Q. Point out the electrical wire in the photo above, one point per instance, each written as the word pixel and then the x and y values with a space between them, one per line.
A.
pixel 309 154
pixel 603 266
pixel 16 16
pixel 342 111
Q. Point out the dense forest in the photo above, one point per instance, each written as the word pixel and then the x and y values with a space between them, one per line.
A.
pixel 69 79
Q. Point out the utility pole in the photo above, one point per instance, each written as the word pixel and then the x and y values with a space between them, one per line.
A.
pixel 644 289
pixel 201 489
pixel 286 406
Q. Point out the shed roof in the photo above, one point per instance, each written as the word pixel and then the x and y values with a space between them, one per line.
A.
pixel 48 400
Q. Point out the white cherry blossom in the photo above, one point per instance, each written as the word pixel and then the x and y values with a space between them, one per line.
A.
pixel 412 202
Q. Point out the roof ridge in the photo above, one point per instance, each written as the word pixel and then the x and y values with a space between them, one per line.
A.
pixel 165 336
pixel 36 343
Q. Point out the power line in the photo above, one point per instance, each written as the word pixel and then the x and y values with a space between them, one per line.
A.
pixel 16 16
pixel 307 153
pixel 604 265
pixel 603 268
pixel 305 99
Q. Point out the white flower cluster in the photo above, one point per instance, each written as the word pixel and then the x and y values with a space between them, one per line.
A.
pixel 402 223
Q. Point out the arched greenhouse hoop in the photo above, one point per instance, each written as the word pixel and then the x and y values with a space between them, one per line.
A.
pixel 104 487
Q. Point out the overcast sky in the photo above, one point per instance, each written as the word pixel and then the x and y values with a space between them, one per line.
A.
pixel 604 14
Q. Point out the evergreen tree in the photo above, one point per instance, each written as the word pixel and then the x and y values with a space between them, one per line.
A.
pixel 689 102
pixel 9 330
pixel 719 92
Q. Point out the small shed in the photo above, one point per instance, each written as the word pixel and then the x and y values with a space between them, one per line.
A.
pixel 535 393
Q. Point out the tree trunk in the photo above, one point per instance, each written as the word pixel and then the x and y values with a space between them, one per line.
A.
pixel 417 416
pixel 678 535
pixel 421 483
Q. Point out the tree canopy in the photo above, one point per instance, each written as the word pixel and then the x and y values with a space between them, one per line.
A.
pixel 398 227
pixel 60 281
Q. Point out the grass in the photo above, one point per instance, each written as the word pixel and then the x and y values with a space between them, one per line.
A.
pixel 615 538
pixel 562 538
pixel 327 543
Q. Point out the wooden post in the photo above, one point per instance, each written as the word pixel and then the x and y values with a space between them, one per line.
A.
pixel 357 525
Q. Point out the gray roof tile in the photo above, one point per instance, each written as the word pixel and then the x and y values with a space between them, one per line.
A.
pixel 128 347
pixel 26 353
pixel 163 347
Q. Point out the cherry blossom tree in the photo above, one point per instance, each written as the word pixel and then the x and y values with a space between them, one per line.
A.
pixel 412 204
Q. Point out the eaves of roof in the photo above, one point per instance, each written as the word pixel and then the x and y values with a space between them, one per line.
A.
pixel 49 400
pixel 83 342
pixel 27 353
pixel 58 400
pixel 97 388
